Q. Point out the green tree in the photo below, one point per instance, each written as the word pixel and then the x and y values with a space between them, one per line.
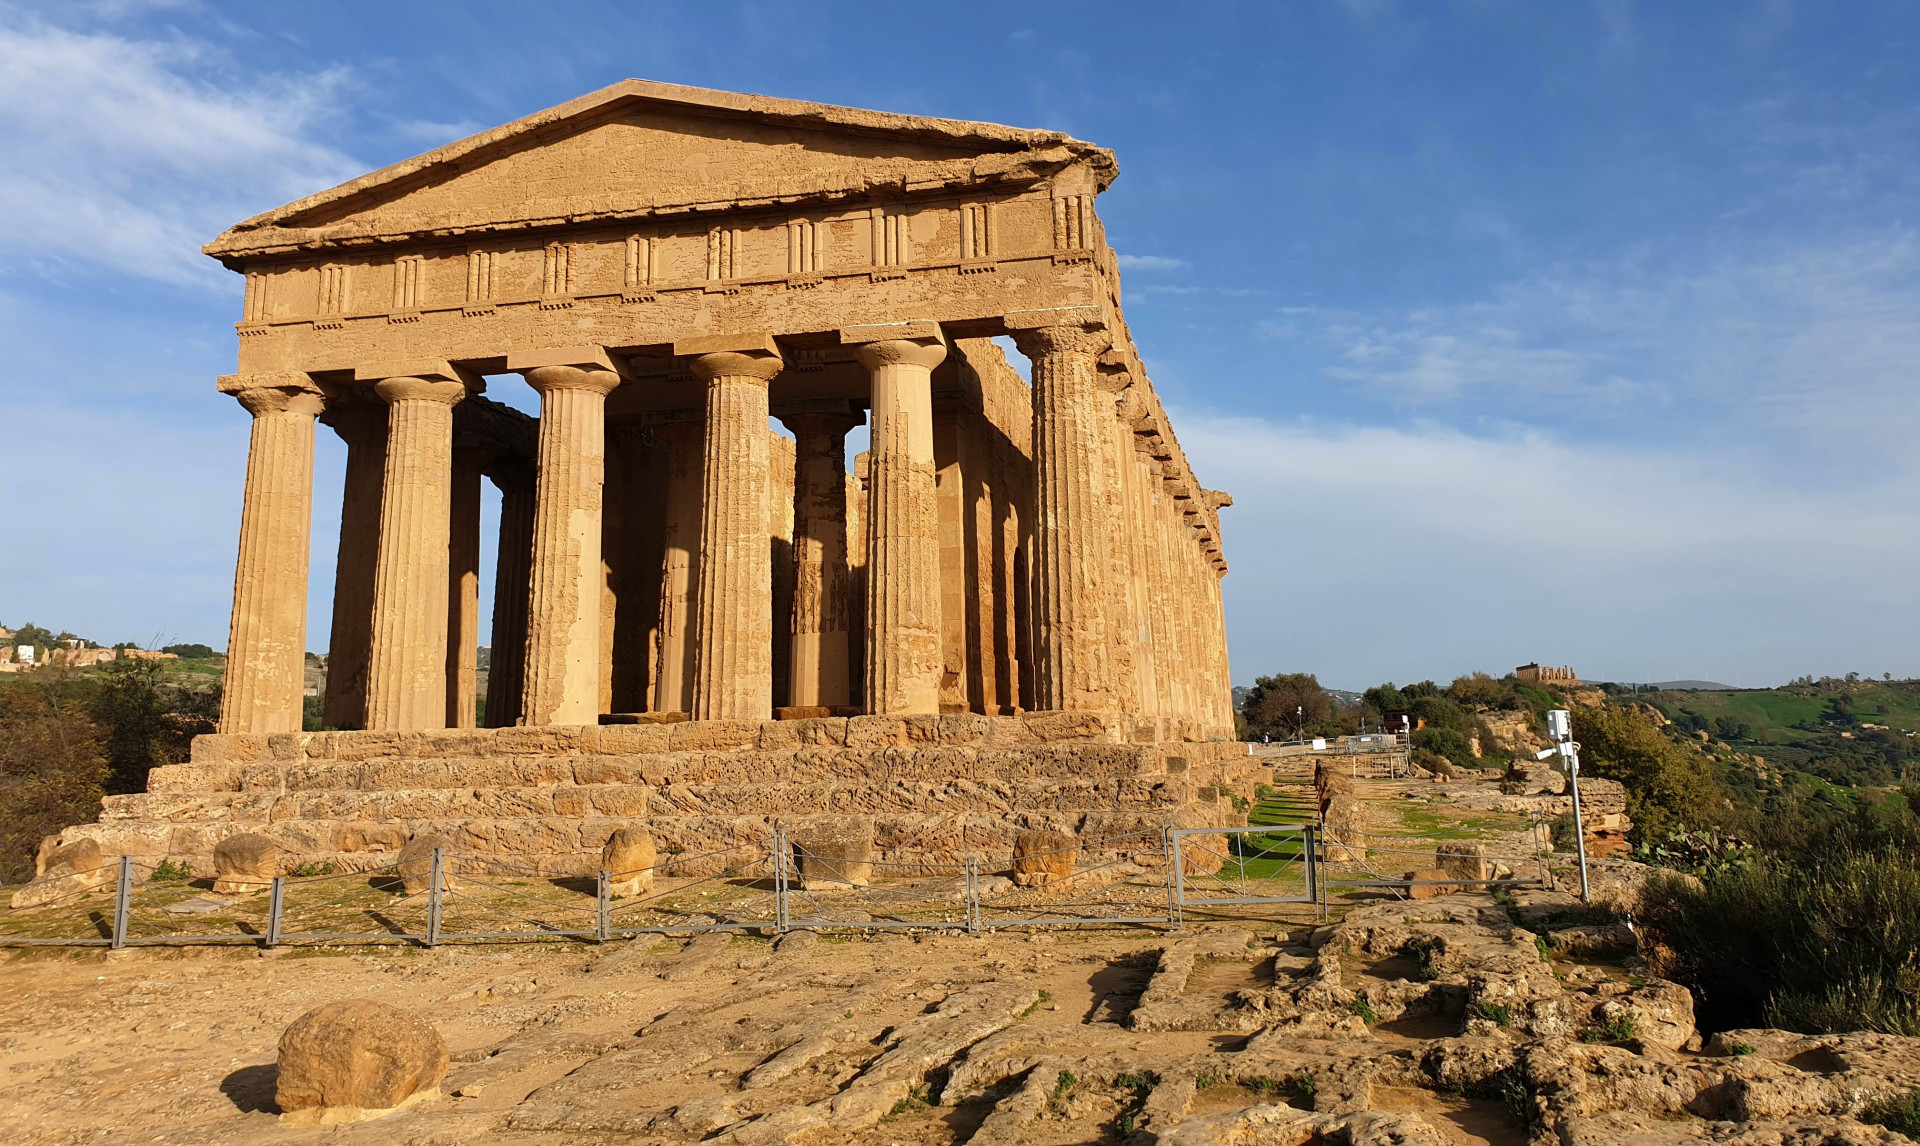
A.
pixel 190 652
pixel 1475 688
pixel 144 723
pixel 52 768
pixel 1281 704
pixel 1668 785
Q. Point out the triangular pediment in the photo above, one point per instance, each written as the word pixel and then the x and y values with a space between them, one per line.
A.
pixel 639 149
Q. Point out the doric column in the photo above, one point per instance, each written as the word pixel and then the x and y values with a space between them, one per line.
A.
pixel 563 620
pixel 821 672
pixel 1071 568
pixel 733 631
pixel 684 434
pixel 1134 517
pixel 406 676
pixel 266 643
pixel 362 425
pixel 513 566
pixel 904 651
pixel 1122 624
pixel 463 589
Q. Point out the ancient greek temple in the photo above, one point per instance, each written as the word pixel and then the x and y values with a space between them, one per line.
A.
pixel 709 292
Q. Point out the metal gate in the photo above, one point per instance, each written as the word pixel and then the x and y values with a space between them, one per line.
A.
pixel 1260 863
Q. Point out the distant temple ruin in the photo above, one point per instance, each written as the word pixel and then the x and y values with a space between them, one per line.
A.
pixel 1546 674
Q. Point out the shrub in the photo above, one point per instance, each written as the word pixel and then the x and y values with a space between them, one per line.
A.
pixel 1499 1014
pixel 1421 950
pixel 1668 785
pixel 1364 1009
pixel 1821 935
pixel 1900 1115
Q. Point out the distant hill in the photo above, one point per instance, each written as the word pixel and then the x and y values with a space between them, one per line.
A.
pixel 1692 686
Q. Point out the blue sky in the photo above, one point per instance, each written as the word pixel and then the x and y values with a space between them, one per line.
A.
pixel 1584 333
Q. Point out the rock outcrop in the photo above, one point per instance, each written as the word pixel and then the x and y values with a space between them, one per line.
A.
pixel 354 1060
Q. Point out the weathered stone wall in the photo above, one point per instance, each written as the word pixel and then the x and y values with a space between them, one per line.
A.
pixel 937 787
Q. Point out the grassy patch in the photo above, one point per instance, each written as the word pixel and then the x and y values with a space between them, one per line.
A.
pixel 1365 1010
pixel 1900 1115
pixel 1499 1014
pixel 1421 949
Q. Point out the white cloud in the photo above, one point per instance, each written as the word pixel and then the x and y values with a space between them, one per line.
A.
pixel 1362 552
pixel 130 154
pixel 1150 263
pixel 1791 341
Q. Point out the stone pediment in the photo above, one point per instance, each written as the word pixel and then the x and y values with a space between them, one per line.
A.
pixel 639 149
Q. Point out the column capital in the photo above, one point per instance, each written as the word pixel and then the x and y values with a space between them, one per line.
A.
pixel 568 368
pixel 825 415
pixel 917 343
pixel 354 414
pixel 756 365
pixel 1072 338
pixel 276 392
pixel 410 388
pixel 430 369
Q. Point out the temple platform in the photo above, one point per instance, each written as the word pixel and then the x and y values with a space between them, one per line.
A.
pixel 936 788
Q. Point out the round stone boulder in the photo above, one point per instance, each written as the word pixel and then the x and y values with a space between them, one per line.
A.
pixel 835 852
pixel 244 864
pixel 416 863
pixel 628 860
pixel 64 870
pixel 354 1060
pixel 1040 857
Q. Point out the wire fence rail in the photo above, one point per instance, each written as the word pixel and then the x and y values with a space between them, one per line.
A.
pixel 766 883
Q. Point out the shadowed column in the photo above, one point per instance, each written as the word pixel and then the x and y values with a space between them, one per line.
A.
pixel 1071 569
pixel 406 677
pixel 686 441
pixel 463 590
pixel 513 564
pixel 822 668
pixel 362 425
pixel 904 653
pixel 563 621
pixel 266 643
pixel 733 633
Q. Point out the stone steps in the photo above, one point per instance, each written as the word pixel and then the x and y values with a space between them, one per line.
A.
pixel 936 788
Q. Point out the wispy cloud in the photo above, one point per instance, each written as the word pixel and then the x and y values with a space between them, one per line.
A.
pixel 1150 263
pixel 1501 548
pixel 128 154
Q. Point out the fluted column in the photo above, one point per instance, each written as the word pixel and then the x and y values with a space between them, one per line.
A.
pixel 686 443
pixel 513 566
pixel 406 677
pixel 266 641
pixel 733 632
pixel 563 620
pixel 1136 514
pixel 463 590
pixel 362 425
pixel 1071 570
pixel 904 652
pixel 821 666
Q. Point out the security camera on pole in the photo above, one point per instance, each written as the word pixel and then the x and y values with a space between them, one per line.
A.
pixel 1560 731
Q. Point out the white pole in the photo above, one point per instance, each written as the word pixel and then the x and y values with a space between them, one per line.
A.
pixel 1560 729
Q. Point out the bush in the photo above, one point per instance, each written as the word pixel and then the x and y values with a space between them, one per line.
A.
pixel 1821 935
pixel 190 652
pixel 1668 785
pixel 1448 742
pixel 52 768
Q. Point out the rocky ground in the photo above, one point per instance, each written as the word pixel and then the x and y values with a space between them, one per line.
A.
pixel 1447 1020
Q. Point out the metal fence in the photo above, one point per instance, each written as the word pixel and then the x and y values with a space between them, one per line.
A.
pixel 769 883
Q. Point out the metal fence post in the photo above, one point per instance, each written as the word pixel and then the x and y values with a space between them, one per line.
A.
pixel 603 914
pixel 433 901
pixel 1179 878
pixel 973 895
pixel 780 880
pixel 122 901
pixel 276 900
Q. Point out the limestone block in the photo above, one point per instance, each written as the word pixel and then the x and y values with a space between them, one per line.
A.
pixel 1421 884
pixel 454 742
pixel 630 739
pixel 628 858
pixel 1463 860
pixel 834 852
pixel 712 735
pixel 354 1060
pixel 245 863
pixel 550 740
pixel 1040 857
pixel 821 731
pixel 801 712
pixel 227 748
pixel 64 870
pixel 287 745
pixel 416 863
pixel 1095 726
pixel 366 745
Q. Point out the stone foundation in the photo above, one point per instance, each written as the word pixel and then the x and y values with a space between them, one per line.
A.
pixel 936 787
